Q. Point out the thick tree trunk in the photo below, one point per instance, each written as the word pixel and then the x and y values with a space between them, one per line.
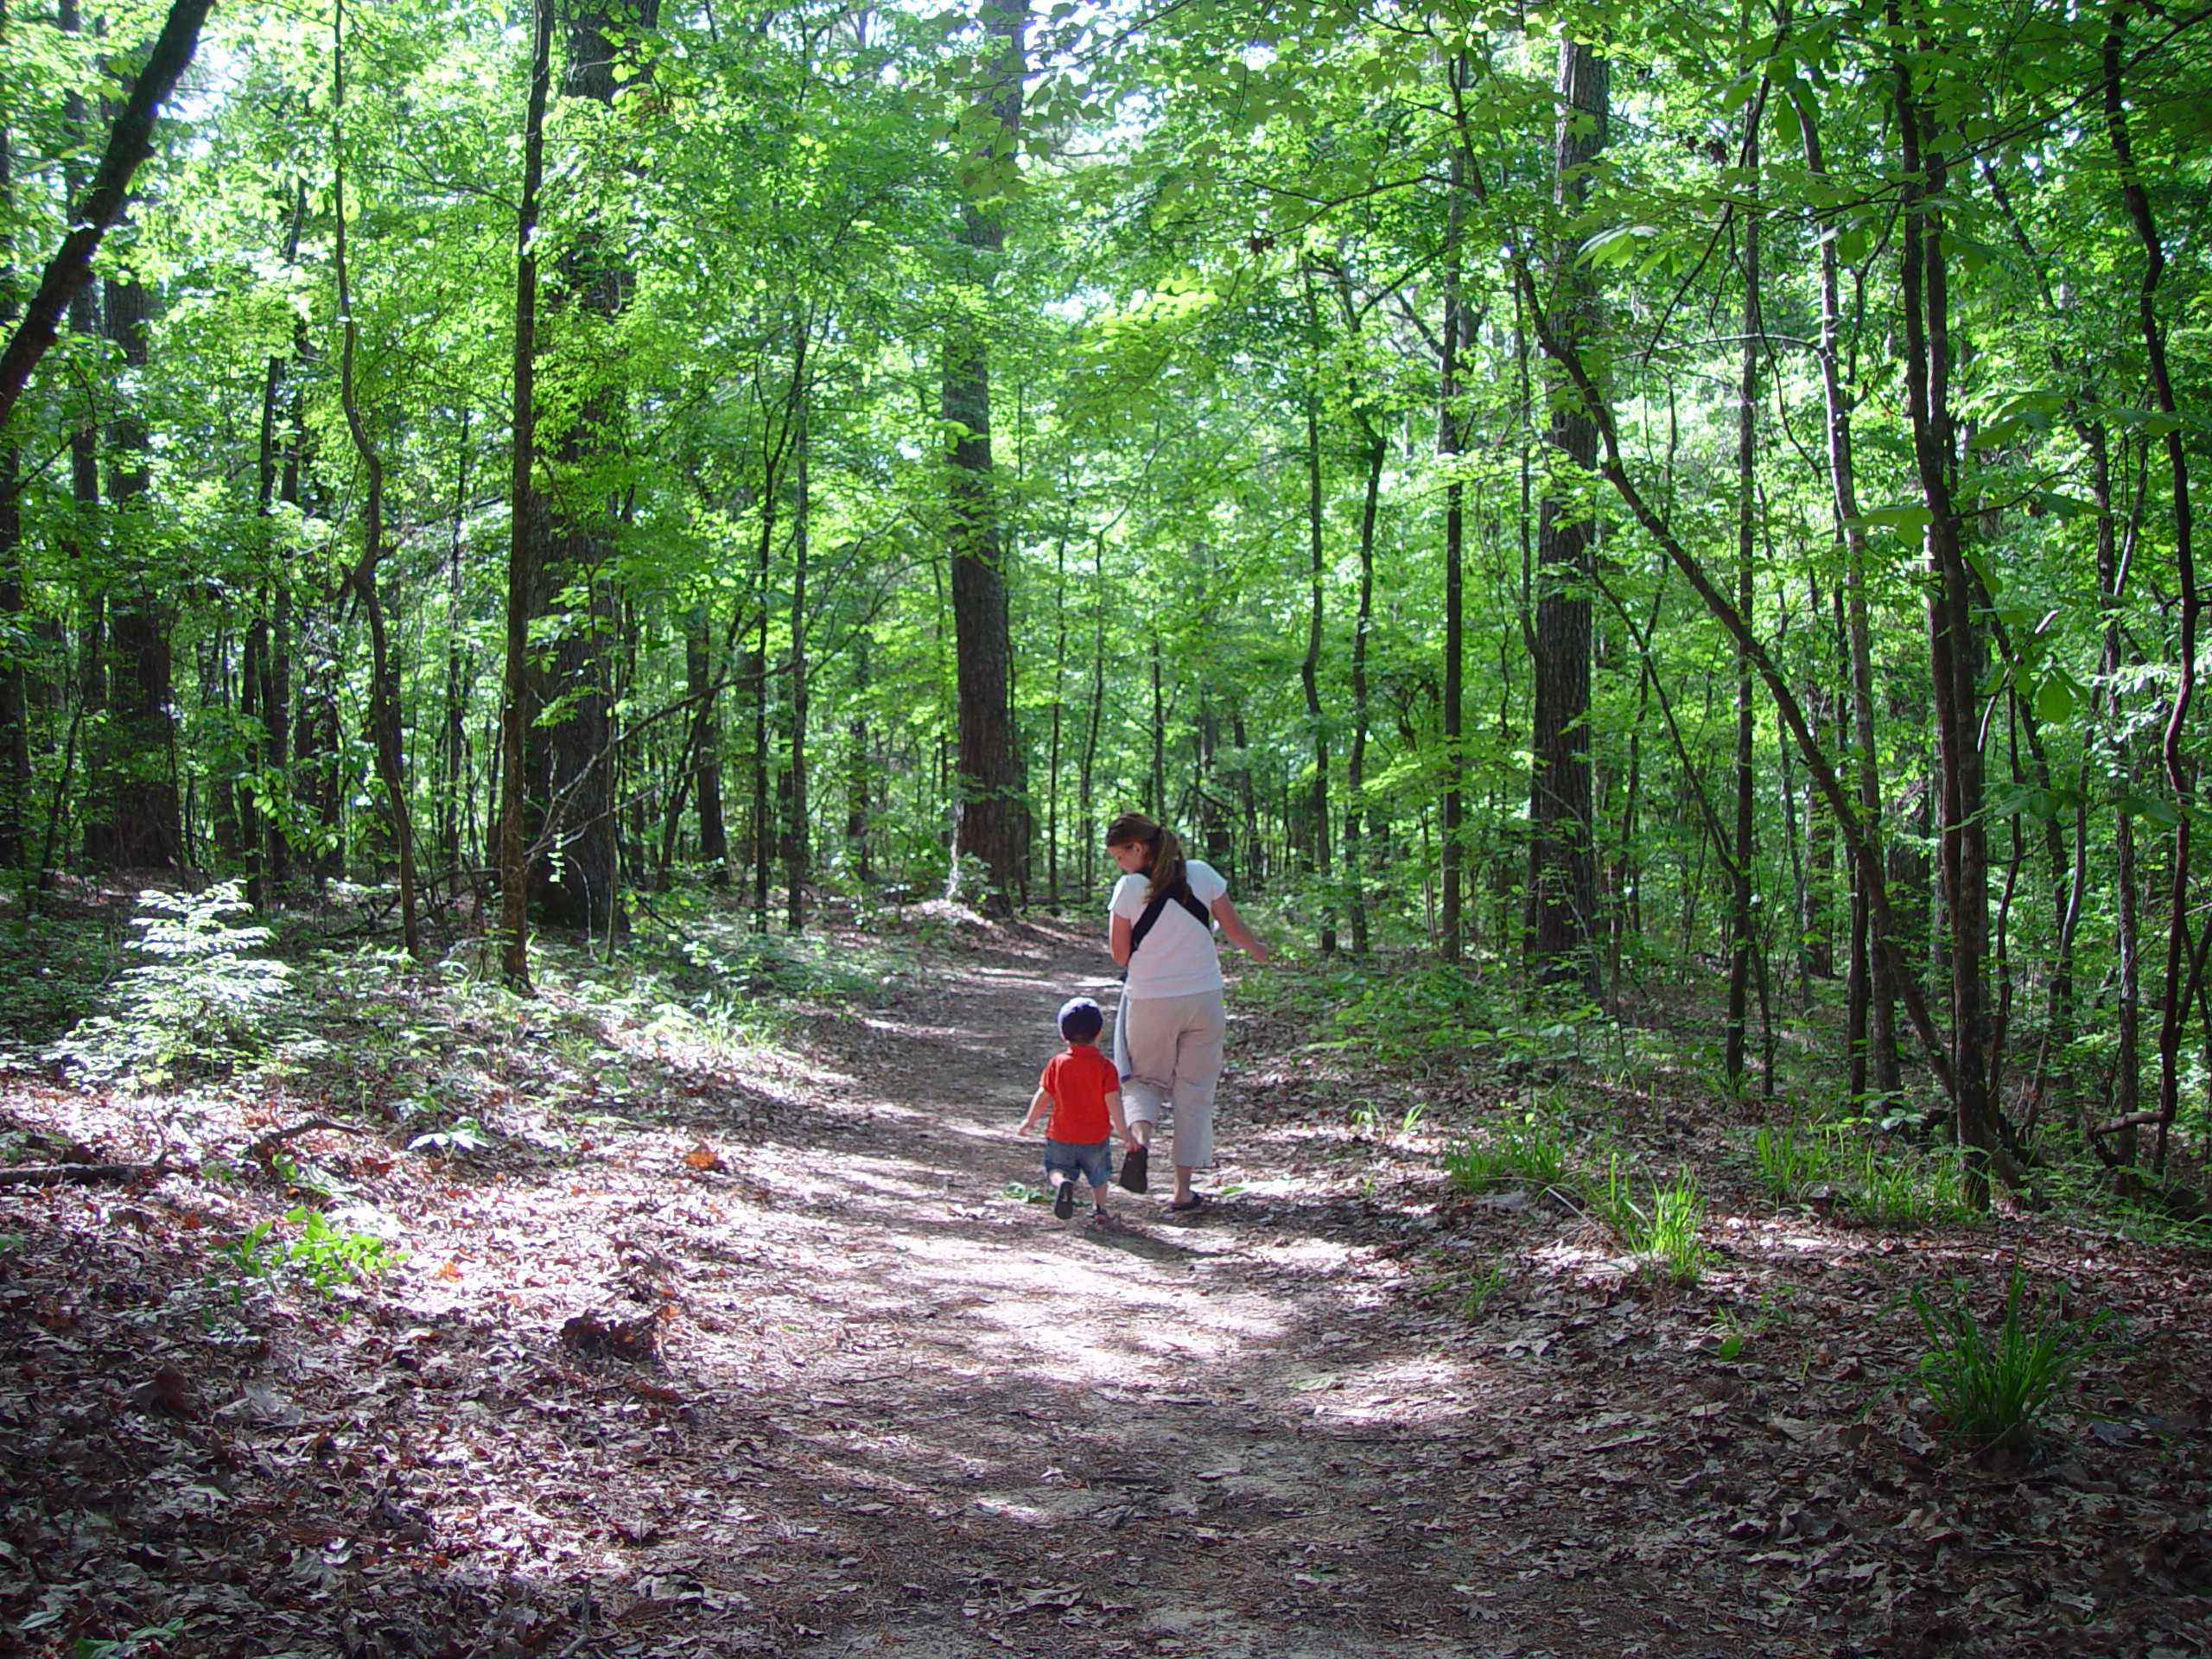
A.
pixel 131 141
pixel 990 818
pixel 135 820
pixel 14 621
pixel 1563 862
pixel 576 875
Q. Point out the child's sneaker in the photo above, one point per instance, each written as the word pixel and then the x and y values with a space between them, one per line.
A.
pixel 1064 1197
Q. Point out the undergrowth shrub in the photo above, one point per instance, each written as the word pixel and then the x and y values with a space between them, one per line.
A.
pixel 324 1257
pixel 200 999
pixel 1994 1383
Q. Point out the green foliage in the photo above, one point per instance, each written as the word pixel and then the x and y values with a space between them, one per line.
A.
pixel 1994 1386
pixel 323 1257
pixel 1899 1188
pixel 1532 1148
pixel 464 1134
pixel 1476 1287
pixel 1736 1331
pixel 147 1639
pixel 200 999
pixel 1661 1233
pixel 1792 1159
pixel 1418 1010
pixel 54 970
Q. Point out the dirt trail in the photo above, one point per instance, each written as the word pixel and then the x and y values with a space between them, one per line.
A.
pixel 983 1427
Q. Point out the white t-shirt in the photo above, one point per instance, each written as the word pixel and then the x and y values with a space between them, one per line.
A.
pixel 1178 957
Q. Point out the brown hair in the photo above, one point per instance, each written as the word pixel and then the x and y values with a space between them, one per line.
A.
pixel 1163 852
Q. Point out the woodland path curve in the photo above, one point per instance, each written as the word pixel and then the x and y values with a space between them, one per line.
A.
pixel 983 1428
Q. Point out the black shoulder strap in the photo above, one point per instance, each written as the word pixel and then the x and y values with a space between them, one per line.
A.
pixel 1180 891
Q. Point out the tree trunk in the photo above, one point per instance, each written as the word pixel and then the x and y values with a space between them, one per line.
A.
pixel 573 767
pixel 1954 646
pixel 131 141
pixel 1356 762
pixel 135 821
pixel 795 827
pixel 526 545
pixel 2138 201
pixel 1562 864
pixel 15 622
pixel 1747 426
pixel 384 674
pixel 1449 441
pixel 1309 668
pixel 990 818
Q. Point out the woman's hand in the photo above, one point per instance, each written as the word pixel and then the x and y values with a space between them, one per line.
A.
pixel 1239 935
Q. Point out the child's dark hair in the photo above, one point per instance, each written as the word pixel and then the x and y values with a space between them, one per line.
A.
pixel 1081 1019
pixel 1163 860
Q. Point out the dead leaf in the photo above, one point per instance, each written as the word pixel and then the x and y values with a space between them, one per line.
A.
pixel 703 1156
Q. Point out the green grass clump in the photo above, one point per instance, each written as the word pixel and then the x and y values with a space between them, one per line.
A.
pixel 1900 1190
pixel 1662 1233
pixel 1994 1386
pixel 1792 1159
pixel 1532 1149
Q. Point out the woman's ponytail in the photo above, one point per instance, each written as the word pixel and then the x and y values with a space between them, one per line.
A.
pixel 1164 860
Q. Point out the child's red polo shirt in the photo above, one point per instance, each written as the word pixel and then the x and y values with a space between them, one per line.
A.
pixel 1078 1079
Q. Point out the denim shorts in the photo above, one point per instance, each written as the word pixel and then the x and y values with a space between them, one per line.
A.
pixel 1095 1160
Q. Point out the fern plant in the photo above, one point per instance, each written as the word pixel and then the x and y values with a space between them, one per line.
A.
pixel 200 1000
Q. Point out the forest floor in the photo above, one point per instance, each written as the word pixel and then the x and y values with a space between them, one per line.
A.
pixel 879 1400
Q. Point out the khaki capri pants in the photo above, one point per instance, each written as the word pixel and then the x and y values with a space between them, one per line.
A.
pixel 1168 1051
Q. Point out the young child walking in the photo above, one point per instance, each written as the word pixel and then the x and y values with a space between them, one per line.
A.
pixel 1082 1092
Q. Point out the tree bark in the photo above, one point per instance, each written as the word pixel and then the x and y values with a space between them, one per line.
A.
pixel 990 818
pixel 525 547
pixel 384 675
pixel 2137 202
pixel 135 819
pixel 1955 646
pixel 1741 843
pixel 1563 862
pixel 576 875
pixel 1309 667
pixel 14 621
pixel 1449 441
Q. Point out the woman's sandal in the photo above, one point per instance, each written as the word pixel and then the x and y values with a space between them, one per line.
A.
pixel 1197 1200
pixel 1135 1167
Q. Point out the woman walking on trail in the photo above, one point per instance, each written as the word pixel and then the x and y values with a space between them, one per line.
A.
pixel 1167 1034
